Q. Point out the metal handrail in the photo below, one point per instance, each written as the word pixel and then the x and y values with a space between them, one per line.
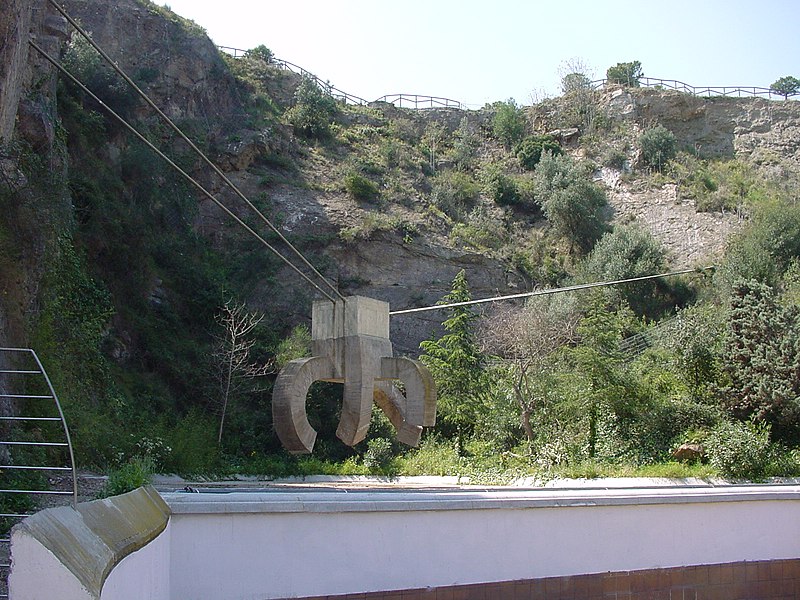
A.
pixel 54 397
pixel 417 100
pixel 707 91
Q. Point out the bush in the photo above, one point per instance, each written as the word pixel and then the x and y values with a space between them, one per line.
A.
pixel 529 151
pixel 378 454
pixel 572 203
pixel 361 188
pixel 453 192
pixel 500 186
pixel 738 449
pixel 627 73
pixel 313 111
pixel 508 124
pixel 135 473
pixel 658 147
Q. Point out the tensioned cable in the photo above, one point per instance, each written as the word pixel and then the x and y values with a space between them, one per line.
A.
pixel 572 288
pixel 169 161
pixel 197 150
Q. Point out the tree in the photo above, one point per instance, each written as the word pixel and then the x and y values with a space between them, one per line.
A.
pixel 761 360
pixel 232 355
pixel 786 86
pixel 432 140
pixel 628 251
pixel 766 247
pixel 572 203
pixel 527 338
pixel 313 111
pixel 658 147
pixel 625 73
pixel 508 123
pixel 458 367
pixel 575 75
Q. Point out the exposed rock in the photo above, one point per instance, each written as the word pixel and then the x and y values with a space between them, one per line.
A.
pixel 689 453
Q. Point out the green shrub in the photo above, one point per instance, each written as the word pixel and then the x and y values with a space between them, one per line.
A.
pixel 360 188
pixel 378 454
pixel 313 111
pixel 738 449
pixel 453 192
pixel 508 123
pixel 529 151
pixel 658 147
pixel 500 186
pixel 138 471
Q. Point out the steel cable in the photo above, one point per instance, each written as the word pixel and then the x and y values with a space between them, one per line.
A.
pixel 194 147
pixel 170 162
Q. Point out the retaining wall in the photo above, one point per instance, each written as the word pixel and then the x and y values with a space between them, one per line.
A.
pixel 705 542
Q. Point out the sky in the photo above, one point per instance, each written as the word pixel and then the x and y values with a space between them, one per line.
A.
pixel 479 52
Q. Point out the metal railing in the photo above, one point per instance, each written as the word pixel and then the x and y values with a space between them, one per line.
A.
pixel 704 92
pixel 415 101
pixel 418 101
pixel 35 444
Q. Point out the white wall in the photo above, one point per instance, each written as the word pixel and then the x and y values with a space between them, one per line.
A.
pixel 142 575
pixel 244 546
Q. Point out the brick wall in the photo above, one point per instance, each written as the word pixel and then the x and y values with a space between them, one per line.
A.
pixel 761 580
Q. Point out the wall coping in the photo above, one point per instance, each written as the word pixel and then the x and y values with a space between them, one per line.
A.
pixel 92 539
pixel 332 500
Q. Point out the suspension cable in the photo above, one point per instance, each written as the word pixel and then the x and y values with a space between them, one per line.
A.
pixel 169 161
pixel 572 288
pixel 193 146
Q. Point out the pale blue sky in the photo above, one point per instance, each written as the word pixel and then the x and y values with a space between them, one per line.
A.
pixel 479 52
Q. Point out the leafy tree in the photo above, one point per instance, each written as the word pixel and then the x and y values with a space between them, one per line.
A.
pixel 458 367
pixel 764 249
pixel 628 251
pixel 499 185
pixel 786 86
pixel 508 123
pixel 625 73
pixel 658 146
pixel 465 145
pixel 761 360
pixel 260 53
pixel 575 82
pixel 432 142
pixel 603 390
pixel 572 203
pixel 313 111
pixel 529 151
pixel 527 338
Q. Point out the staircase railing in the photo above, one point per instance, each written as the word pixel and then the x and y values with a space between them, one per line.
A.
pixel 35 444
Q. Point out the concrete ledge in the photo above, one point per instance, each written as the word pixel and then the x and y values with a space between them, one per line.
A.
pixel 90 541
pixel 342 500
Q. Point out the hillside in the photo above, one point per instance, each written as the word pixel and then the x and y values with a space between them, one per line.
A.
pixel 115 268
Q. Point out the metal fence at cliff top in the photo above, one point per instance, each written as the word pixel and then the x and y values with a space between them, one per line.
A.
pixel 415 101
pixel 704 92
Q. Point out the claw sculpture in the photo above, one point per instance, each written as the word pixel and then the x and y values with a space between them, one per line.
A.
pixel 350 345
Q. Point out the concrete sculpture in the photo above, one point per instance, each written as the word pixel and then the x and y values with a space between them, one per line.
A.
pixel 350 345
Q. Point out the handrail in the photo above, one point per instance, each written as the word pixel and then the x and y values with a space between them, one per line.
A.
pixel 419 101
pixel 416 101
pixel 706 92
pixel 67 443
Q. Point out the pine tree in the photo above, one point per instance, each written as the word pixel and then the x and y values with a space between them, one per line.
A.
pixel 458 367
pixel 761 359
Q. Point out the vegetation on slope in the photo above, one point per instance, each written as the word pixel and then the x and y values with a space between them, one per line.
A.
pixel 126 319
